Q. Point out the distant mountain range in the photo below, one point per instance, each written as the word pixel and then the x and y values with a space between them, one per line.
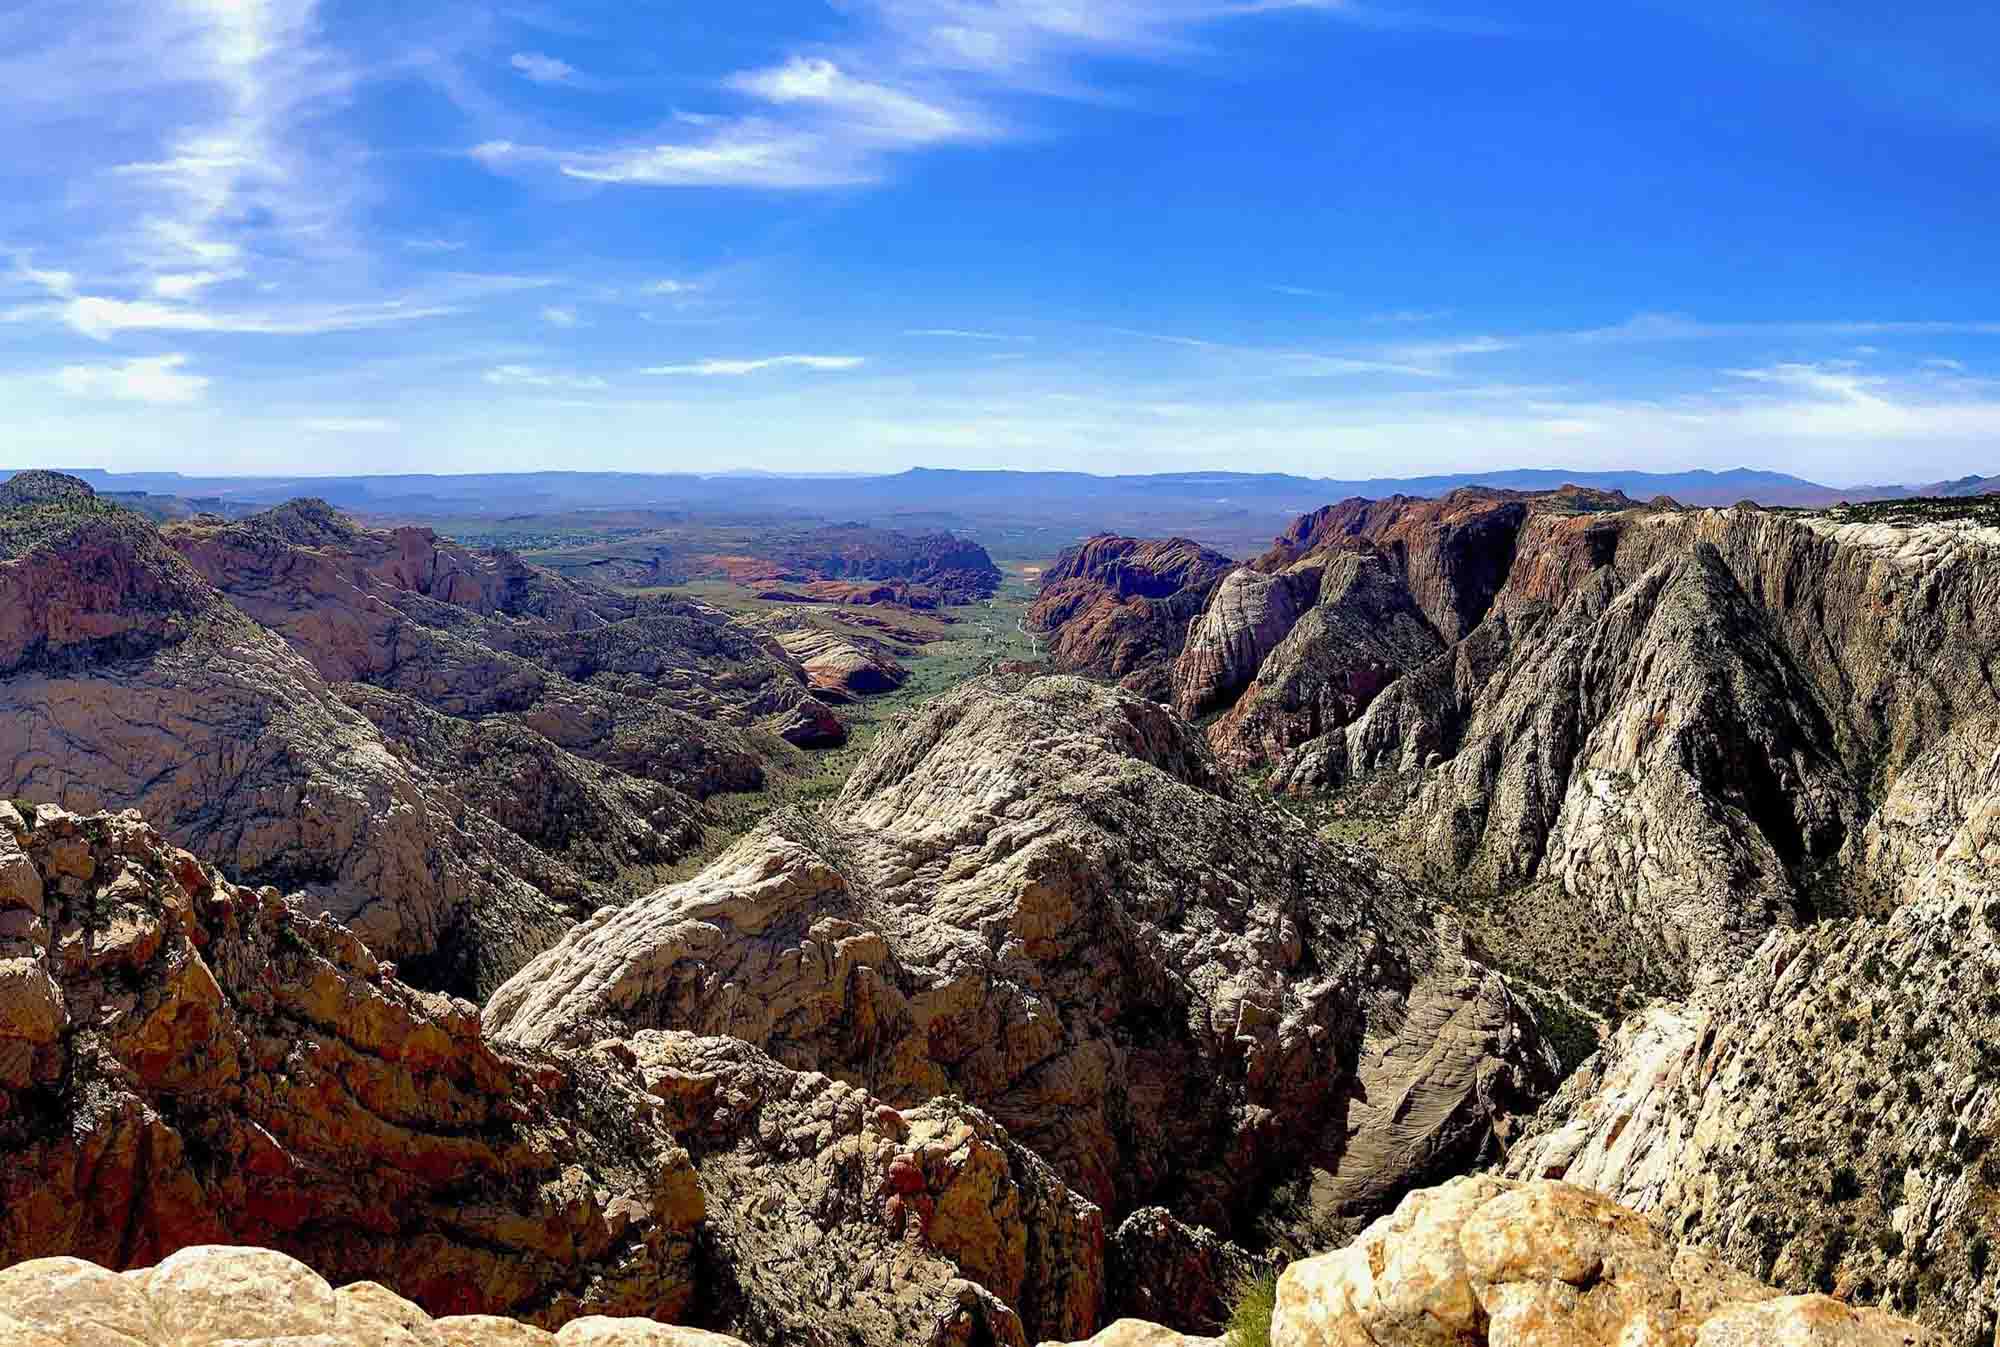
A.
pixel 1019 513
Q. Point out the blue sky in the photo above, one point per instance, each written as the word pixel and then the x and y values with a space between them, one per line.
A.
pixel 1344 239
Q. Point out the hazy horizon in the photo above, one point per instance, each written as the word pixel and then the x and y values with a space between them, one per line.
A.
pixel 1317 237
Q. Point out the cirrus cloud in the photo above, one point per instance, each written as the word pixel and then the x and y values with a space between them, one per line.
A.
pixel 712 368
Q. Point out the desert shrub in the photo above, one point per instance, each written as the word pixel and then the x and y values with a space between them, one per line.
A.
pixel 1250 1311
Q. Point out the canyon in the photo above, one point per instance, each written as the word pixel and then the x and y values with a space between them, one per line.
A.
pixel 1565 909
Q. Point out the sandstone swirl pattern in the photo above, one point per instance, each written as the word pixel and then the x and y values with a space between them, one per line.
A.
pixel 1041 896
pixel 1121 608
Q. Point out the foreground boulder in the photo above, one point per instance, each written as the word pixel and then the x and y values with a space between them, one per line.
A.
pixel 220 1296
pixel 1043 897
pixel 1484 1261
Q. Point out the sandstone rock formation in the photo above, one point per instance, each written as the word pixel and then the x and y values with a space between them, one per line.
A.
pixel 1450 558
pixel 222 1296
pixel 1121 607
pixel 841 668
pixel 1357 631
pixel 1693 726
pixel 1162 1270
pixel 1481 1260
pixel 125 680
pixel 451 751
pixel 1831 1120
pixel 183 1061
pixel 1042 896
pixel 655 688
pixel 835 1219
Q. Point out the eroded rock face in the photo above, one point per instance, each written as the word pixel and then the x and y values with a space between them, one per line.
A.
pixel 183 1061
pixel 1657 752
pixel 223 1296
pixel 1164 1271
pixel 841 668
pixel 1042 897
pixel 126 681
pixel 1830 1122
pixel 1481 1260
pixel 453 752
pixel 1696 725
pixel 656 689
pixel 1121 608
pixel 1362 632
pixel 836 1219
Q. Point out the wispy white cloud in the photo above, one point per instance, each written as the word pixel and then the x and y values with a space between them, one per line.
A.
pixel 530 376
pixel 350 425
pixel 559 315
pixel 104 317
pixel 916 74
pixel 963 334
pixel 542 69
pixel 156 379
pixel 710 368
pixel 672 287
pixel 877 110
pixel 186 284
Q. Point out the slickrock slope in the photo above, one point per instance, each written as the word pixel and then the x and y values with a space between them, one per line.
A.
pixel 223 1296
pixel 183 1061
pixel 840 668
pixel 655 689
pixel 1657 753
pixel 1482 1261
pixel 456 753
pixel 1361 631
pixel 127 681
pixel 1042 897
pixel 1121 607
pixel 1831 1122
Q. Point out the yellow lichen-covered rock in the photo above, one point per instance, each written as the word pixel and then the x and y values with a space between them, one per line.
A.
pixel 1486 1262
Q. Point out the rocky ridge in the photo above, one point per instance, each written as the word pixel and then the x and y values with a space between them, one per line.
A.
pixel 1042 896
pixel 187 1062
pixel 1120 608
pixel 1695 725
pixel 1830 1120
pixel 452 752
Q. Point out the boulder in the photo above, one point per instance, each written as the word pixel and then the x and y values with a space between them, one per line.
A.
pixel 1482 1260
pixel 225 1296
